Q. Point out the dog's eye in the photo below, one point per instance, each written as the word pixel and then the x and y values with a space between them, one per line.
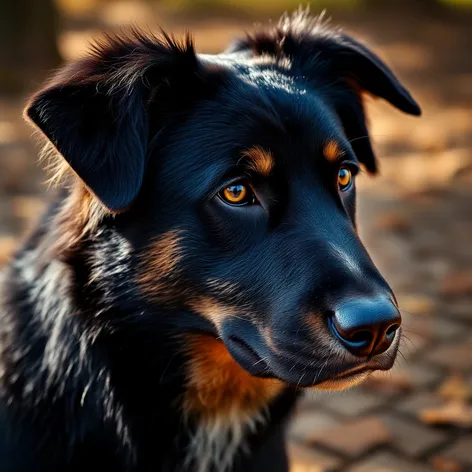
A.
pixel 344 179
pixel 237 194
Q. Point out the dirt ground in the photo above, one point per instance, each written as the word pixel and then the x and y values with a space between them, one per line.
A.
pixel 416 220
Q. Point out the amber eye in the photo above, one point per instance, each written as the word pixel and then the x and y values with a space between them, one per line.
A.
pixel 237 194
pixel 344 179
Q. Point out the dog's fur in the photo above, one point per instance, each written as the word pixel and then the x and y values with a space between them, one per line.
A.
pixel 123 313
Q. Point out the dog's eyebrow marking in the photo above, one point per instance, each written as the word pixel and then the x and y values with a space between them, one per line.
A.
pixel 259 160
pixel 332 151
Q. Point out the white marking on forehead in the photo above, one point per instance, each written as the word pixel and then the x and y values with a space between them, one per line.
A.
pixel 273 79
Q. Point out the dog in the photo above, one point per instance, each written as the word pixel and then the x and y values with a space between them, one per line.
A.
pixel 199 265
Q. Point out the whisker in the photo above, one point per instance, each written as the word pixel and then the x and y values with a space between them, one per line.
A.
pixel 404 358
pixel 262 359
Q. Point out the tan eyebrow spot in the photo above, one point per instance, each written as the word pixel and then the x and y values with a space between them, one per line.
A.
pixel 332 151
pixel 259 160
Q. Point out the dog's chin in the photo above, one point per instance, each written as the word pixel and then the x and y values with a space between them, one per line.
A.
pixel 304 372
pixel 342 383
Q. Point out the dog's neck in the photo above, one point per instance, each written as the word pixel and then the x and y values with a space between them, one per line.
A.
pixel 138 373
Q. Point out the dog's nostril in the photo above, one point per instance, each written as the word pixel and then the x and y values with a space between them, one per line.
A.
pixel 366 327
pixel 390 333
pixel 362 337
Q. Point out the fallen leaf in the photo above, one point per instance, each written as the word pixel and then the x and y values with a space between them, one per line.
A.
pixel 445 464
pixel 455 387
pixel 456 413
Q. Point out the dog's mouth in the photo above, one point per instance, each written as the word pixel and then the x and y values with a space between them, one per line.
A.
pixel 306 372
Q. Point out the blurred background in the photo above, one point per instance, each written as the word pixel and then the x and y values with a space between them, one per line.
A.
pixel 416 218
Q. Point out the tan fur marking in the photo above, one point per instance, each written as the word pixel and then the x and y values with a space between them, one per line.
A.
pixel 314 323
pixel 159 265
pixel 223 287
pixel 217 385
pixel 211 309
pixel 332 151
pixel 79 216
pixel 259 160
pixel 267 334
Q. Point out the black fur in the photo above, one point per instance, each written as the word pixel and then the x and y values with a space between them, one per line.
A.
pixel 94 361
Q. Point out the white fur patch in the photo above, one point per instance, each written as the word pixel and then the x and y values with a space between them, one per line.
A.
pixel 217 441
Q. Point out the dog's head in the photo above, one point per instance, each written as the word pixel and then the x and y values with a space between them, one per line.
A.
pixel 231 178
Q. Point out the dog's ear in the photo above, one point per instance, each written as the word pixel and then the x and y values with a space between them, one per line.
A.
pixel 95 111
pixel 327 57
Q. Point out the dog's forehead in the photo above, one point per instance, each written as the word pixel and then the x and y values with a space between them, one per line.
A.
pixel 272 78
pixel 261 106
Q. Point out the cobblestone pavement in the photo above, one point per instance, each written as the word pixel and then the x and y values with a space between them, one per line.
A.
pixel 416 220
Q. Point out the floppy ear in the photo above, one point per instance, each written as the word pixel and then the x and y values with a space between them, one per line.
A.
pixel 95 111
pixel 328 57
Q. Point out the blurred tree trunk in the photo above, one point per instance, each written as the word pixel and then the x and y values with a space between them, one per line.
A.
pixel 28 46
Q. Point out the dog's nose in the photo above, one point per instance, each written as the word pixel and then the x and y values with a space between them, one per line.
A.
pixel 366 327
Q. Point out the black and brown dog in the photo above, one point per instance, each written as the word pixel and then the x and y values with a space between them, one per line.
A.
pixel 200 263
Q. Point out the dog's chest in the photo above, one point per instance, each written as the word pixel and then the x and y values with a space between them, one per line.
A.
pixel 227 403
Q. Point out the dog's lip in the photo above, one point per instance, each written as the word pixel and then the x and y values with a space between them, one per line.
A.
pixel 303 368
pixel 338 376
pixel 364 369
pixel 263 367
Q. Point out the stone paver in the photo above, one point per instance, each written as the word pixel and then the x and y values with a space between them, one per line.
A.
pixel 388 462
pixel 453 356
pixel 356 402
pixel 435 327
pixel 306 459
pixel 403 379
pixel 307 423
pixel 445 464
pixel 458 283
pixel 412 438
pixel 461 310
pixel 419 401
pixel 460 451
pixel 353 438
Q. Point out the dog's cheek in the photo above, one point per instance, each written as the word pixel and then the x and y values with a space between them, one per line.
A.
pixel 159 274
pixel 217 386
pixel 211 309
